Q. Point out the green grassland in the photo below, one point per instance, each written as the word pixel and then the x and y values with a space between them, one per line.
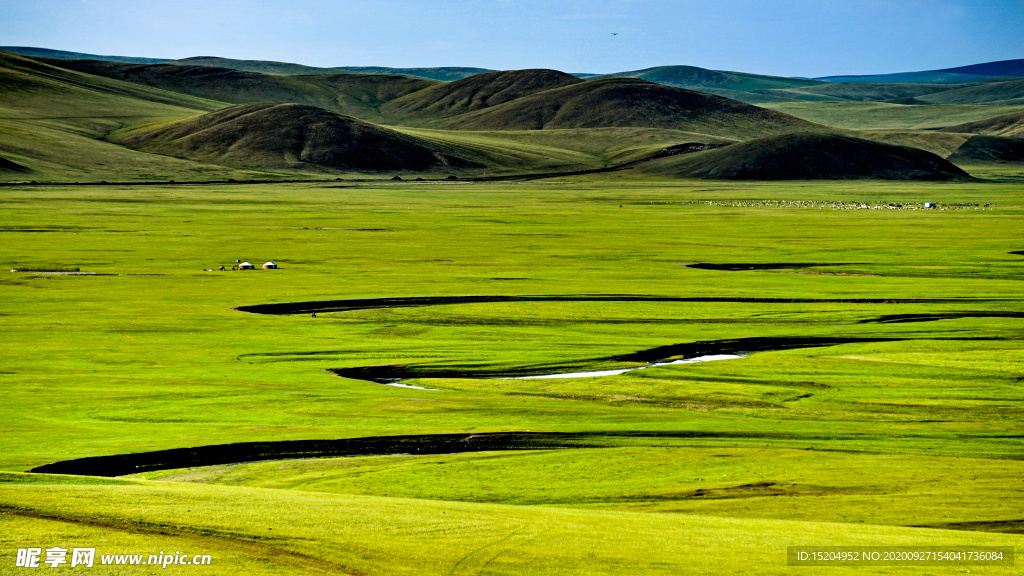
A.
pixel 734 482
pixel 120 335
pixel 706 468
pixel 287 532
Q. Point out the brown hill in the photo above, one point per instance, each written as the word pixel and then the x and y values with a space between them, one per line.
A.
pixel 275 135
pixel 809 157
pixel 1005 125
pixel 629 102
pixel 476 92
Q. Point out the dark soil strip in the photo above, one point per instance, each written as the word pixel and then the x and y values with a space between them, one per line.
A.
pixel 760 266
pixel 393 373
pixel 286 308
pixel 1018 252
pixel 737 345
pixel 120 465
pixel 899 318
pixel 1004 526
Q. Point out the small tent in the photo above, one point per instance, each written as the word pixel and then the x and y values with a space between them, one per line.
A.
pixel 269 266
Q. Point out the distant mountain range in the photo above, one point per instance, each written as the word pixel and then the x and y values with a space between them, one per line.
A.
pixel 723 83
pixel 972 73
pixel 48 53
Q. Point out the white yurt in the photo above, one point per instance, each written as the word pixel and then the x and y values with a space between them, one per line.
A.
pixel 270 266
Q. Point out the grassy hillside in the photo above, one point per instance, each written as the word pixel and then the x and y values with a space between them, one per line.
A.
pixel 31 88
pixel 993 93
pixel 939 143
pixel 983 148
pixel 271 135
pixel 269 67
pixel 54 121
pixel 887 116
pixel 749 88
pixel 748 97
pixel 1006 125
pixel 963 149
pixel 65 152
pixel 621 102
pixel 474 93
pixel 444 74
pixel 860 91
pixel 808 157
pixel 693 77
pixel 358 95
pixel 261 66
pixel 545 150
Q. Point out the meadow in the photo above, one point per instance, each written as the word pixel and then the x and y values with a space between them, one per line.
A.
pixel 909 434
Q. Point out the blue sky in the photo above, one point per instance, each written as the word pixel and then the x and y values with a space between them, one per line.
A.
pixel 783 37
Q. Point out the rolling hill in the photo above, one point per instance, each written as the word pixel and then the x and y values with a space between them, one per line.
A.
pixel 808 157
pixel 627 102
pixel 960 148
pixel 971 73
pixel 48 53
pixel 69 119
pixel 1005 125
pixel 32 88
pixel 357 95
pixel 694 77
pixel 475 93
pixel 749 88
pixel 53 121
pixel 289 136
pixel 443 73
pixel 861 91
pixel 1007 93
pixel 982 148
pixel 261 66
pixel 889 116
